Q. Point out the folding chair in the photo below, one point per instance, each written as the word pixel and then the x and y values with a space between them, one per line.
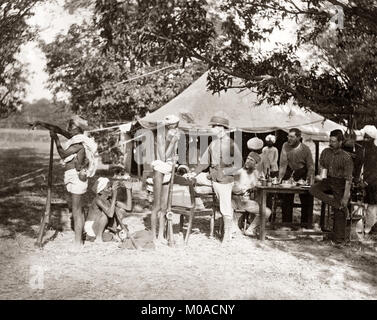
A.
pixel 188 211
pixel 215 207
pixel 191 210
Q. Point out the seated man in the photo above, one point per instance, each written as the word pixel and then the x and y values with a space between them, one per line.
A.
pixel 245 180
pixel 337 165
pixel 103 208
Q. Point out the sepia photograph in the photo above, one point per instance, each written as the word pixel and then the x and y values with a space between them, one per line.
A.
pixel 179 151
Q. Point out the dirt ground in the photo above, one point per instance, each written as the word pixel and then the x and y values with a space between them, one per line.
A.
pixel 244 269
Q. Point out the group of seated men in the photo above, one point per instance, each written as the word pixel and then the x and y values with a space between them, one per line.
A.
pixel 232 184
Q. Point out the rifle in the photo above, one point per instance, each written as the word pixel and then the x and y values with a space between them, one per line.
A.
pixel 169 213
pixel 45 219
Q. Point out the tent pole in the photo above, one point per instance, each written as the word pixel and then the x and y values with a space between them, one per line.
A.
pixel 138 155
pixel 139 170
pixel 316 157
pixel 127 152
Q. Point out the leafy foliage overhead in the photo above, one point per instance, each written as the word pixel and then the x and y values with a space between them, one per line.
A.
pixel 338 79
pixel 103 82
pixel 14 32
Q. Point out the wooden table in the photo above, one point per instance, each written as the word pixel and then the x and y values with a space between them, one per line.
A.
pixel 262 192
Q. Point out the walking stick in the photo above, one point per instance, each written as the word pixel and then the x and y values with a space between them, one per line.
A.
pixel 45 219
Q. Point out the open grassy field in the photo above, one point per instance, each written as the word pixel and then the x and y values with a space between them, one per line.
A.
pixel 244 269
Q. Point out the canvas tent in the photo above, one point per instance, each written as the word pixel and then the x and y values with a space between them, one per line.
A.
pixel 196 105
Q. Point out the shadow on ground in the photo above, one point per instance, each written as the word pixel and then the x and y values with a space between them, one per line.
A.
pixel 22 206
pixel 360 257
pixel 17 162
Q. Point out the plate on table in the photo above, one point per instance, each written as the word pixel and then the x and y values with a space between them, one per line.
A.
pixel 286 185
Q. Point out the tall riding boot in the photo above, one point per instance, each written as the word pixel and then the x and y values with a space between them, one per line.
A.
pixel 227 229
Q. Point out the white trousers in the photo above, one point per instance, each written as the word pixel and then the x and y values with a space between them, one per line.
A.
pixel 224 194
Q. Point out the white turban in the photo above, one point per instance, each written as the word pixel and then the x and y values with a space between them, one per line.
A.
pixel 370 131
pixel 255 143
pixel 271 138
pixel 100 184
pixel 171 119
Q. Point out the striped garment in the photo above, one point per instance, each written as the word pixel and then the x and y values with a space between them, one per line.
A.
pixel 338 163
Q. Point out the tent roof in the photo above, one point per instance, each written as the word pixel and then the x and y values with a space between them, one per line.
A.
pixel 196 105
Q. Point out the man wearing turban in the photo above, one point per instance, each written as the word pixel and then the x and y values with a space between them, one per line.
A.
pixel 246 180
pixel 270 157
pixel 166 150
pixel 103 208
pixel 80 160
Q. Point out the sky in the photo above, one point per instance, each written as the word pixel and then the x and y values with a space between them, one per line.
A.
pixel 51 19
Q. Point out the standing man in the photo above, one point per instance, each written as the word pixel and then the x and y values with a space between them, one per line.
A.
pixel 339 166
pixel 296 162
pixel 224 159
pixel 166 146
pixel 79 155
pixel 270 156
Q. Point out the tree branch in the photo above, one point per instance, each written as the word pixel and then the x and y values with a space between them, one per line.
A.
pixel 284 9
pixel 5 95
pixel 197 55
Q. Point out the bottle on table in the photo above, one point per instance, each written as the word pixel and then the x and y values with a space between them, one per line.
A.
pixel 268 178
